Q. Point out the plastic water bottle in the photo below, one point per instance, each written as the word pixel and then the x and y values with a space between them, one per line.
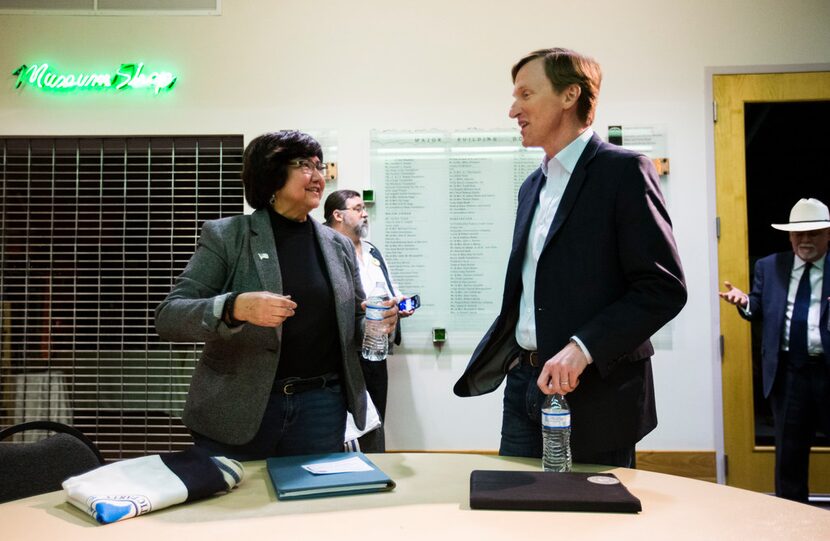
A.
pixel 375 340
pixel 556 434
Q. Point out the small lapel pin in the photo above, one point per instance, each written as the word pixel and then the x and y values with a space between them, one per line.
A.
pixel 263 256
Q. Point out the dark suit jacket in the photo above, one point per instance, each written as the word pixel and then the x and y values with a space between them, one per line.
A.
pixel 373 250
pixel 233 378
pixel 768 303
pixel 609 273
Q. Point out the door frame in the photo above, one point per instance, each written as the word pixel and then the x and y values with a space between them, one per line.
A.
pixel 711 185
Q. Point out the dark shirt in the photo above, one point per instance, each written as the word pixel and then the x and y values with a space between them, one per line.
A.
pixel 310 339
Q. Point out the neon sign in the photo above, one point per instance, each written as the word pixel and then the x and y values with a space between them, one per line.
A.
pixel 127 76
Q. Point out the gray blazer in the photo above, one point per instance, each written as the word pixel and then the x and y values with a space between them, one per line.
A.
pixel 233 378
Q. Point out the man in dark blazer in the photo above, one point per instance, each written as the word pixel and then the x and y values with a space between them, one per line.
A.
pixel 593 273
pixel 346 213
pixel 789 296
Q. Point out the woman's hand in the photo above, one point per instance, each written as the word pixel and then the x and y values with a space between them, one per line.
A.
pixel 263 308
pixel 390 315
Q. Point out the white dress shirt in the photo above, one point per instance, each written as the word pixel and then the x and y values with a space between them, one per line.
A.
pixel 558 172
pixel 816 278
pixel 371 272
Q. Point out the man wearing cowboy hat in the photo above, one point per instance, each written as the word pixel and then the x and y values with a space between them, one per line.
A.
pixel 789 295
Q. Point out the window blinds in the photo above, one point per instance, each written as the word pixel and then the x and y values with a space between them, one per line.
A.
pixel 93 232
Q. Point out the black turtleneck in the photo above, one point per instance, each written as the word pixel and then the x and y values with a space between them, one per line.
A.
pixel 310 344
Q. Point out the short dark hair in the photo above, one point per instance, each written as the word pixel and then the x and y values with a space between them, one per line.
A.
pixel 265 163
pixel 337 201
pixel 564 68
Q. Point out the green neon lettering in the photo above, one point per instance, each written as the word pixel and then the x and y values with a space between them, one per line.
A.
pixel 127 76
pixel 162 80
pixel 126 72
pixel 37 74
pixel 20 72
pixel 50 80
pixel 101 79
pixel 135 82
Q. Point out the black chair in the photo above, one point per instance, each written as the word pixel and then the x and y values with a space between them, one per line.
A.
pixel 27 469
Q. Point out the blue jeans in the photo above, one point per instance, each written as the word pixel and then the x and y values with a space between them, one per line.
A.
pixel 305 423
pixel 521 427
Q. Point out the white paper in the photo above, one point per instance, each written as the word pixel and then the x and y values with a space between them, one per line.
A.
pixel 348 465
pixel 372 421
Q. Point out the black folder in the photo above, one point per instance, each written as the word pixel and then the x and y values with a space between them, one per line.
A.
pixel 550 491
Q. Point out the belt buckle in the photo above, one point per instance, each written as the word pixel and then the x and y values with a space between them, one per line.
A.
pixel 533 357
pixel 288 389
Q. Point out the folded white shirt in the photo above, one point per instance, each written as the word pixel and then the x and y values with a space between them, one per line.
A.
pixel 133 487
pixel 372 422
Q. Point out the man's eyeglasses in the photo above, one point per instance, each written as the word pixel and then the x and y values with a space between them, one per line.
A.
pixel 309 166
pixel 357 208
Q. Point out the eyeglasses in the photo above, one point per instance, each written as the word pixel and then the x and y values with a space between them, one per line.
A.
pixel 309 166
pixel 357 208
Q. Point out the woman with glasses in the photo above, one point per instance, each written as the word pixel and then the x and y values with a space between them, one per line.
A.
pixel 276 298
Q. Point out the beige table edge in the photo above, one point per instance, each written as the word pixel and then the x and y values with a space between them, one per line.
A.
pixel 430 502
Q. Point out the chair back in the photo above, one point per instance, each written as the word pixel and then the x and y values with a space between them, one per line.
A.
pixel 33 468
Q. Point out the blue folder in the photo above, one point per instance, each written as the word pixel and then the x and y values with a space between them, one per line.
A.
pixel 291 481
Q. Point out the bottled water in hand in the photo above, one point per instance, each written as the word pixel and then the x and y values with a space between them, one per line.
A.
pixel 375 340
pixel 556 434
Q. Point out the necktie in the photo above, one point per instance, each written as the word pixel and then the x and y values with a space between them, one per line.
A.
pixel 798 323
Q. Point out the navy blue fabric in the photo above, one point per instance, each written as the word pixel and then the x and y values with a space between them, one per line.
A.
pixel 800 402
pixel 197 471
pixel 306 423
pixel 521 428
pixel 768 304
pixel 798 389
pixel 521 431
pixel 609 274
pixel 374 252
pixel 798 323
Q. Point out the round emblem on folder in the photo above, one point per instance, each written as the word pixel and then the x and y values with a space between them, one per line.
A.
pixel 604 480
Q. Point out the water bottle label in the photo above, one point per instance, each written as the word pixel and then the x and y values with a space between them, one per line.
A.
pixel 559 419
pixel 375 313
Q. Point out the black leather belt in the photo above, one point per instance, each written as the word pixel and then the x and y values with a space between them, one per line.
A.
pixel 785 356
pixel 530 357
pixel 289 386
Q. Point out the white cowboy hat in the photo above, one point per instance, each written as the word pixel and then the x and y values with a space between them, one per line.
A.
pixel 807 215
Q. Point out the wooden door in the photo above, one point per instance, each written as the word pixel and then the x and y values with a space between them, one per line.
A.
pixel 749 465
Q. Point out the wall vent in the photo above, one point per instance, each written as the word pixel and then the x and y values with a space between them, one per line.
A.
pixel 111 7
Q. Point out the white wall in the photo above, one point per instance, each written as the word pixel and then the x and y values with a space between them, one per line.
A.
pixel 356 66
